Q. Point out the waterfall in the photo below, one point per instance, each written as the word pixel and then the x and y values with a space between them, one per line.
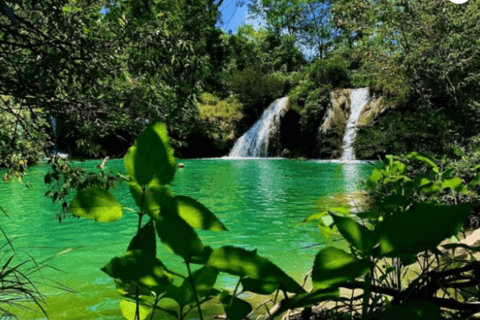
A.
pixel 358 99
pixel 55 151
pixel 254 143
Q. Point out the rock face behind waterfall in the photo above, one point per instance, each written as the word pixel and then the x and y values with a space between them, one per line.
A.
pixel 332 128
pixel 318 132
pixel 254 143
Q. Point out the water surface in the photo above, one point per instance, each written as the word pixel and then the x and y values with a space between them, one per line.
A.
pixel 260 201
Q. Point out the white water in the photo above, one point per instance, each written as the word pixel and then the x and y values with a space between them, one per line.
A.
pixel 358 99
pixel 254 143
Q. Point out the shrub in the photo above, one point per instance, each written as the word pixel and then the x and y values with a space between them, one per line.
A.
pixel 400 131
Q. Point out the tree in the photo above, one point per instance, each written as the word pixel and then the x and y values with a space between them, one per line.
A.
pixel 308 21
pixel 101 75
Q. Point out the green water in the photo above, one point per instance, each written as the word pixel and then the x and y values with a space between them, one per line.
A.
pixel 260 201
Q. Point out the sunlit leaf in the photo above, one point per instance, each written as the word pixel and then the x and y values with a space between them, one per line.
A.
pixel 150 160
pixel 129 308
pixel 453 183
pixel 197 215
pixel 96 203
pixel 244 263
pixel 334 266
pixel 373 179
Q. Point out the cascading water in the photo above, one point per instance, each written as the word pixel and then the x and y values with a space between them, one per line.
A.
pixel 254 143
pixel 358 99
pixel 55 151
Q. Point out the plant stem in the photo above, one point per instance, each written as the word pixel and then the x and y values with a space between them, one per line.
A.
pixel 366 294
pixel 192 281
pixel 157 298
pixel 137 304
pixel 137 307
pixel 235 291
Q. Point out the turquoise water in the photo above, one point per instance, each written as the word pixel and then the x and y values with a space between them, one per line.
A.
pixel 260 201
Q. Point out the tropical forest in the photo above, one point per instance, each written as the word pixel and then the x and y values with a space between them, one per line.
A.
pixel 159 163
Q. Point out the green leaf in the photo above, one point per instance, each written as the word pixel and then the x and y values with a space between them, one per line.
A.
pixel 357 235
pixel 237 309
pixel 96 203
pixel 129 308
pixel 178 236
pixel 145 239
pixel 416 156
pixel 258 286
pixel 205 279
pixel 326 230
pixel 244 263
pixel 475 181
pixel 139 268
pixel 420 228
pixel 453 183
pixel 197 215
pixel 334 266
pixel 411 309
pixel 155 199
pixel 374 178
pixel 150 160
pixel 304 300
pixel 398 167
pixel 315 216
pixel 203 257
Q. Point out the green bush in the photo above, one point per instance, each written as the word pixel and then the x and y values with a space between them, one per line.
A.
pixel 430 132
pixel 256 90
pixel 21 143
pixel 332 71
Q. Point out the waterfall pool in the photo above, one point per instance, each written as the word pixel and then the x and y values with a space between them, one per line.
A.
pixel 261 202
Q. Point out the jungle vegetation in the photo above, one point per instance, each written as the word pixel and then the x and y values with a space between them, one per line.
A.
pixel 110 72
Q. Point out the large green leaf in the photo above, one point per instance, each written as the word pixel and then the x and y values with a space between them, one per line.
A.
pixel 205 279
pixel 309 299
pixel 374 178
pixel 244 263
pixel 334 266
pixel 357 235
pixel 156 198
pixel 150 160
pixel 96 203
pixel 145 239
pixel 453 183
pixel 129 308
pixel 235 309
pixel 411 310
pixel 420 228
pixel 159 200
pixel 141 268
pixel 197 215
pixel 178 236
